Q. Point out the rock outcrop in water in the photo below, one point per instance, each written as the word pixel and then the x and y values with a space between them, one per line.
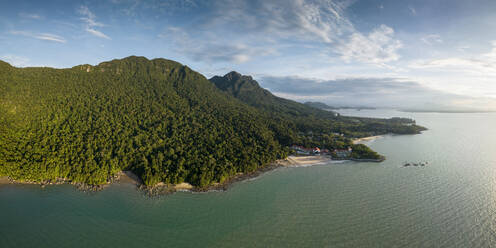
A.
pixel 407 164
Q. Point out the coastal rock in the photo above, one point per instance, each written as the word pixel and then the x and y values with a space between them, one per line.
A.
pixel 88 188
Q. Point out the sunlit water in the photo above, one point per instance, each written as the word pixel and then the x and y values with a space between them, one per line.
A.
pixel 449 203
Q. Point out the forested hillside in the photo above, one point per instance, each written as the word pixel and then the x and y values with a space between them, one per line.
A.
pixel 157 118
pixel 249 91
pixel 312 126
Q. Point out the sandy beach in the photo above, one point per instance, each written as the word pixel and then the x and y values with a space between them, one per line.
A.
pixel 183 186
pixel 4 180
pixel 128 177
pixel 306 160
pixel 364 139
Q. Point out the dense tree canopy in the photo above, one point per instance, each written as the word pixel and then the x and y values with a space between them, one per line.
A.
pixel 312 125
pixel 361 151
pixel 157 118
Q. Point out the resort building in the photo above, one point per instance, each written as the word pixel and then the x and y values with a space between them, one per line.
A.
pixel 309 151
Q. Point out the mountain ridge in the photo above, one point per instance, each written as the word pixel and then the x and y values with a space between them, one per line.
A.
pixel 249 91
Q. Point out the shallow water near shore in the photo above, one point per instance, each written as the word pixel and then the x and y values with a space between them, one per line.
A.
pixel 449 203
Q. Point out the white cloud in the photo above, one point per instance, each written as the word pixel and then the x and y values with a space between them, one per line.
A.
pixel 473 75
pixel 97 33
pixel 89 18
pixel 17 61
pixel 40 36
pixel 241 58
pixel 378 47
pixel 90 22
pixel 267 27
pixel 210 49
pixel 374 92
pixel 432 39
pixel 50 37
pixel 319 19
pixel 484 64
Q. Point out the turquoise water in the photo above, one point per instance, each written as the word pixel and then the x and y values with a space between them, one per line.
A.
pixel 449 203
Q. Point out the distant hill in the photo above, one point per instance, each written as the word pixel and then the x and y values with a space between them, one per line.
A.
pixel 319 105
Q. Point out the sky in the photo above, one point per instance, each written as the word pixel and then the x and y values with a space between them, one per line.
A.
pixel 409 54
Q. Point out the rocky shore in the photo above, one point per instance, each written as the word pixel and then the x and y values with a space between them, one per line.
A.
pixel 128 177
pixel 8 180
pixel 79 186
pixel 164 189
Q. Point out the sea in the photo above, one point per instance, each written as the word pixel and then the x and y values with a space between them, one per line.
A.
pixel 449 202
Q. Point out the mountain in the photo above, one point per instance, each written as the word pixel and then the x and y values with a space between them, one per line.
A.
pixel 159 119
pixel 249 91
pixel 304 118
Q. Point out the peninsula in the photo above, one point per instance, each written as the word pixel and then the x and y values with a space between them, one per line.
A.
pixel 161 120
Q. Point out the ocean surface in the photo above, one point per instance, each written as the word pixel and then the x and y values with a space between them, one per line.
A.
pixel 451 202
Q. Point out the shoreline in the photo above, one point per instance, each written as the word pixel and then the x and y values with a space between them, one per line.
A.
pixel 368 138
pixel 4 180
pixel 290 161
pixel 128 177
pixel 299 161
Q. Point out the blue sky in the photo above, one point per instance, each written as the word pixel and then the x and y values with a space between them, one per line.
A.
pixel 408 54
